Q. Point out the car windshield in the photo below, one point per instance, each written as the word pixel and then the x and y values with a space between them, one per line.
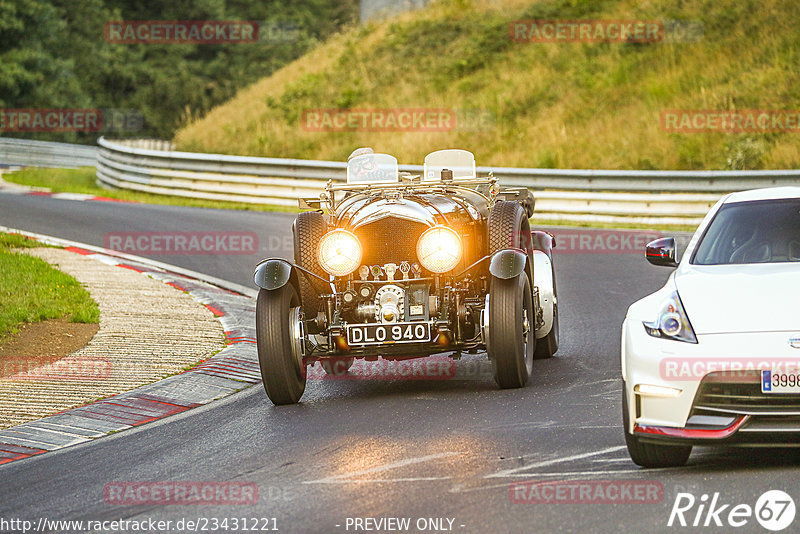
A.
pixel 372 168
pixel 461 162
pixel 765 231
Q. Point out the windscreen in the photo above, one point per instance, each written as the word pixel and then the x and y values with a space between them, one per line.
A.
pixel 372 168
pixel 766 231
pixel 461 162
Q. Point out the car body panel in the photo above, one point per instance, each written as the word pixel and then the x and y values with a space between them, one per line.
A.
pixel 272 274
pixel 735 298
pixel 544 282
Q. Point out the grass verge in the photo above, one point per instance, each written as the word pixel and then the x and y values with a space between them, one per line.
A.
pixel 569 105
pixel 31 290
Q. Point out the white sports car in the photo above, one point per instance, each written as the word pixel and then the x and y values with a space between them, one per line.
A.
pixel 713 357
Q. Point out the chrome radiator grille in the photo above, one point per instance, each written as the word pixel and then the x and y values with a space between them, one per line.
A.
pixel 389 240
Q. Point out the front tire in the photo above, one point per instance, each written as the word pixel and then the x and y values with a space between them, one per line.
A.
pixel 651 454
pixel 511 334
pixel 282 370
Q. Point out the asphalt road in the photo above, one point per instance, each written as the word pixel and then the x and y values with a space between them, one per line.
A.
pixel 381 449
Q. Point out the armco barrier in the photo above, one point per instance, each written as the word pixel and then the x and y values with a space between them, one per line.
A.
pixel 24 152
pixel 641 197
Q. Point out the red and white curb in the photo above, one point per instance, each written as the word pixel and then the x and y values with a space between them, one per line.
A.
pixel 24 190
pixel 231 370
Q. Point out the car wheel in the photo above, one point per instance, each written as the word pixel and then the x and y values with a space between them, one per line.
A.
pixel 511 333
pixel 336 366
pixel 308 229
pixel 547 346
pixel 651 454
pixel 278 336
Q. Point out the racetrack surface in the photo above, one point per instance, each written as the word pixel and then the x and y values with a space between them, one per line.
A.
pixel 393 448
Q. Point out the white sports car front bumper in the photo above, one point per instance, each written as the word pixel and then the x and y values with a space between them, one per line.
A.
pixel 663 378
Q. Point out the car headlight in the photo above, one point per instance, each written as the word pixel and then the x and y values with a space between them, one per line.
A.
pixel 339 252
pixel 439 249
pixel 671 321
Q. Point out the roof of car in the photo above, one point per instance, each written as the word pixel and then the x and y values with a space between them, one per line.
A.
pixel 767 193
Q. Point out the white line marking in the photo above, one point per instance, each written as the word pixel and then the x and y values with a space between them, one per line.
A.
pixel 516 470
pixel 381 468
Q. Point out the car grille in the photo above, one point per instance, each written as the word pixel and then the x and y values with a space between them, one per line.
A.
pixel 390 240
pixel 741 396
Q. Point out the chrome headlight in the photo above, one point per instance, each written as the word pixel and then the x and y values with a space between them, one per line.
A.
pixel 439 249
pixel 671 321
pixel 339 252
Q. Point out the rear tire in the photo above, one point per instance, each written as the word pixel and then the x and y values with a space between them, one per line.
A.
pixel 308 229
pixel 511 342
pixel 651 454
pixel 283 375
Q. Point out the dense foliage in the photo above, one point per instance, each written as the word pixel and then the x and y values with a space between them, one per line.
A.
pixel 53 54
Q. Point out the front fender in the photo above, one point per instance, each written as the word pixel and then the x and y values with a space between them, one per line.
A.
pixel 543 279
pixel 543 241
pixel 507 264
pixel 273 274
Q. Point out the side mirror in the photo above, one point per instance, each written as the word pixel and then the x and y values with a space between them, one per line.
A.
pixel 661 252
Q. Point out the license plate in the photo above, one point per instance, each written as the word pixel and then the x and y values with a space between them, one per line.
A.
pixel 779 382
pixel 378 334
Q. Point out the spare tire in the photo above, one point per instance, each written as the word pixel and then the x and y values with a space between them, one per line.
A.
pixel 308 229
pixel 508 227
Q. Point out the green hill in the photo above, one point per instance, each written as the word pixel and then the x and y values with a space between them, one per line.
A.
pixel 533 104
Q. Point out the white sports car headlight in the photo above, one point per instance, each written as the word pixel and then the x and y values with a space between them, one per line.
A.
pixel 439 249
pixel 671 321
pixel 339 252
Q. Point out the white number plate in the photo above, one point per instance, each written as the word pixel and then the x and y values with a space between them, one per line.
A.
pixel 377 334
pixel 779 382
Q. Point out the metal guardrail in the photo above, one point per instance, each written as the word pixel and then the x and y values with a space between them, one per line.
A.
pixel 24 152
pixel 644 197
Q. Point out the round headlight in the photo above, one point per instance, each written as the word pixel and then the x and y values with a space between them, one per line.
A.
pixel 439 249
pixel 339 252
pixel 671 324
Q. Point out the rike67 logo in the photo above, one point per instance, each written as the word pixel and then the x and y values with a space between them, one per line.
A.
pixel 774 510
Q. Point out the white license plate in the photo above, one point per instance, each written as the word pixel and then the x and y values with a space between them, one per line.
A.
pixel 378 334
pixel 780 382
